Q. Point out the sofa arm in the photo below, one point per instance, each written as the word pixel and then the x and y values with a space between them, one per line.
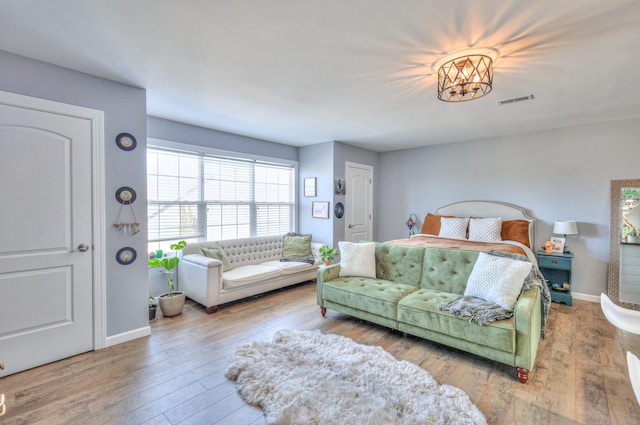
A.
pixel 528 316
pixel 200 278
pixel 326 274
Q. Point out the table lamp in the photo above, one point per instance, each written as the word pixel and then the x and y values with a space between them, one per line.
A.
pixel 566 228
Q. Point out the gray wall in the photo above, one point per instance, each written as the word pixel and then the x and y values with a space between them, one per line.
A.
pixel 173 131
pixel 124 111
pixel 561 174
pixel 316 161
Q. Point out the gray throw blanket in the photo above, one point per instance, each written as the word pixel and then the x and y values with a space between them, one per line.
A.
pixel 484 312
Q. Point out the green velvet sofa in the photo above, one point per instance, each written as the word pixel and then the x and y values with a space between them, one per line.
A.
pixel 410 285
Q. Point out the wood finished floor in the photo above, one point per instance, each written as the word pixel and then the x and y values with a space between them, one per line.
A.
pixel 176 376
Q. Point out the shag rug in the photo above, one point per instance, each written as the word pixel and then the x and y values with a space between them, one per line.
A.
pixel 305 377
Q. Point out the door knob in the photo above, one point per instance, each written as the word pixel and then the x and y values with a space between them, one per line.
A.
pixel 351 225
pixel 82 248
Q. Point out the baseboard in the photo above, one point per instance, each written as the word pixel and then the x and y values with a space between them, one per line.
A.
pixel 586 297
pixel 128 336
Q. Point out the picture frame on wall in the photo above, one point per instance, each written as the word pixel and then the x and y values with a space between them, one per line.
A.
pixel 340 189
pixel 557 246
pixel 320 209
pixel 310 187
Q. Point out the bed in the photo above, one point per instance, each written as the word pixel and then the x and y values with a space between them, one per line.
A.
pixel 516 228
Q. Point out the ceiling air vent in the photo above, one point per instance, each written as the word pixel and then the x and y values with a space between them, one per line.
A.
pixel 514 100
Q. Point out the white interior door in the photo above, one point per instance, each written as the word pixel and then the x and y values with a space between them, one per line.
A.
pixel 359 202
pixel 46 283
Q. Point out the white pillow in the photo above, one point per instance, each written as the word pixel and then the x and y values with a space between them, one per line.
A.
pixel 357 259
pixel 453 227
pixel 485 229
pixel 497 279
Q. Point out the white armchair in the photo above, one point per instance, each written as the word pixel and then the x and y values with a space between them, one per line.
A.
pixel 628 321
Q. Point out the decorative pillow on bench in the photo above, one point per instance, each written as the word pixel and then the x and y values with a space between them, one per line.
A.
pixel 357 259
pixel 216 251
pixel 296 246
pixel 497 279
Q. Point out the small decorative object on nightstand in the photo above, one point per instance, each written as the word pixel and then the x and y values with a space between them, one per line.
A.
pixel 556 269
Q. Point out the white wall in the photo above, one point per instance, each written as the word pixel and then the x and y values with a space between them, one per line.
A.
pixel 561 174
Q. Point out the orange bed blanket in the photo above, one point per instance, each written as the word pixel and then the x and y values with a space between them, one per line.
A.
pixel 436 242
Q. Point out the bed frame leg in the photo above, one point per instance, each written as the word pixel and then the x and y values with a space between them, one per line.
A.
pixel 523 375
pixel 212 309
pixel 323 310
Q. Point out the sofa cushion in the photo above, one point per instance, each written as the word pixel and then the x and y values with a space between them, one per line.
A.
pixel 421 308
pixel 447 270
pixel 216 251
pixel 296 246
pixel 376 296
pixel 357 259
pixel 247 275
pixel 290 267
pixel 497 279
pixel 399 263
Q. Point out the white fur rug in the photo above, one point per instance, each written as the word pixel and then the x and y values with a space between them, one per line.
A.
pixel 305 377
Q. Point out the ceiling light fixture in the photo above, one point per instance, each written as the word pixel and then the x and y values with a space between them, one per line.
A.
pixel 465 78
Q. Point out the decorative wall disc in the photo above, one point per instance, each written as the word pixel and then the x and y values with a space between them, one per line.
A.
pixel 126 255
pixel 126 141
pixel 338 210
pixel 125 195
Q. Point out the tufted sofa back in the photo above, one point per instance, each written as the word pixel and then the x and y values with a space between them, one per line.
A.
pixel 246 251
pixel 447 270
pixel 399 263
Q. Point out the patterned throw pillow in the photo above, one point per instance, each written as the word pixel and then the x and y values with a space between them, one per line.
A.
pixel 497 279
pixel 485 229
pixel 453 228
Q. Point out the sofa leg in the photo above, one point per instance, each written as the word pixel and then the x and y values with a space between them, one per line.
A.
pixel 523 375
pixel 323 310
pixel 212 309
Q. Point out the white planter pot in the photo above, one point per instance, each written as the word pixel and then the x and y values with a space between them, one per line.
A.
pixel 633 239
pixel 171 306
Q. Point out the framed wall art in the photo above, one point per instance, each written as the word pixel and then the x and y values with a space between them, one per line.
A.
pixel 320 209
pixel 340 189
pixel 557 246
pixel 310 187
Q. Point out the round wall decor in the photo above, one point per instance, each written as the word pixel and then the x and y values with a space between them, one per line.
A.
pixel 126 255
pixel 338 210
pixel 125 195
pixel 126 141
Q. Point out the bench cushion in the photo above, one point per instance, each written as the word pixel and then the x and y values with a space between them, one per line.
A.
pixel 248 275
pixel 421 308
pixel 290 267
pixel 377 296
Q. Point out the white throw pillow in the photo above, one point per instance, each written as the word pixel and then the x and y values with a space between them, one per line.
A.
pixel 485 229
pixel 357 259
pixel 453 227
pixel 497 279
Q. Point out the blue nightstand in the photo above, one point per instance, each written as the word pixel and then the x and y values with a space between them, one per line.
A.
pixel 556 269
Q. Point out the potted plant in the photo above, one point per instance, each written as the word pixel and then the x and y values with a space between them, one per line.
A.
pixel 631 233
pixel 172 302
pixel 327 254
pixel 152 309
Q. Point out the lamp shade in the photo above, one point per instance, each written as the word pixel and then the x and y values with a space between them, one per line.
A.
pixel 565 228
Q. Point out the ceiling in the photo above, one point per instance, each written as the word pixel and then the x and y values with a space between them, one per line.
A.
pixel 301 72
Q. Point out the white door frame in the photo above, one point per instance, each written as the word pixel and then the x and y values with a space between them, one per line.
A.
pixel 98 219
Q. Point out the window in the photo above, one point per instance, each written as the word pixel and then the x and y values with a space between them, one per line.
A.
pixel 199 196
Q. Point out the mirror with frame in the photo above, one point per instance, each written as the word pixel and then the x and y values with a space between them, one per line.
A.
pixel 624 244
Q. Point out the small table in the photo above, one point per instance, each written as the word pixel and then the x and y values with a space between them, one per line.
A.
pixel 556 269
